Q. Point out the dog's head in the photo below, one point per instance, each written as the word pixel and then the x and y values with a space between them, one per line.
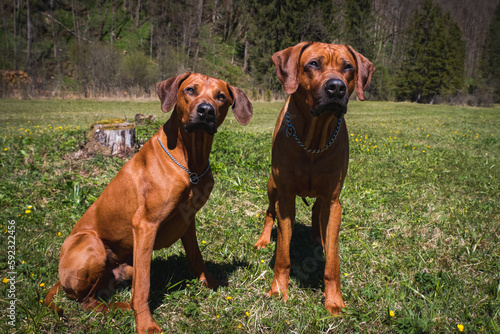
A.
pixel 202 102
pixel 323 75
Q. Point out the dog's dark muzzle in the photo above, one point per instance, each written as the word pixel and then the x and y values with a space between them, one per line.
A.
pixel 333 98
pixel 203 119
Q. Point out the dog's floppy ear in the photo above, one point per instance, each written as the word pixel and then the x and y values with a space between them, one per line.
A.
pixel 364 72
pixel 167 91
pixel 287 66
pixel 242 108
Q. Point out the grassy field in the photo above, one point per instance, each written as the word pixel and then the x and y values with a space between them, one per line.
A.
pixel 419 242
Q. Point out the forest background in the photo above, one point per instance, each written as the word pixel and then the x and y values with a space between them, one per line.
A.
pixel 441 51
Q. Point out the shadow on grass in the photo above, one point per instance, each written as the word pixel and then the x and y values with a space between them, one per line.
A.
pixel 172 274
pixel 306 257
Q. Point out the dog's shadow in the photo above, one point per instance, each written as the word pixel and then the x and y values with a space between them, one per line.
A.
pixel 307 259
pixel 173 274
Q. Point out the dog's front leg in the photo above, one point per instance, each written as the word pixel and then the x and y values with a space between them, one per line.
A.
pixel 272 193
pixel 286 218
pixel 330 215
pixel 195 260
pixel 144 233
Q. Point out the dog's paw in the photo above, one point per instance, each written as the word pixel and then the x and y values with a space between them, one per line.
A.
pixel 261 244
pixel 333 307
pixel 279 289
pixel 121 305
pixel 210 282
pixel 148 327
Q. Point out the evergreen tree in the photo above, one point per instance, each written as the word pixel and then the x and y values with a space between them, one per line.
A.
pixel 490 58
pixel 358 26
pixel 278 24
pixel 434 58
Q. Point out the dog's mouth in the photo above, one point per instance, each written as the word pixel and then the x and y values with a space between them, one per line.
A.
pixel 336 107
pixel 208 127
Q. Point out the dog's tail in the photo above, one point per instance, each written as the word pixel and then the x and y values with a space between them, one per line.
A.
pixel 50 297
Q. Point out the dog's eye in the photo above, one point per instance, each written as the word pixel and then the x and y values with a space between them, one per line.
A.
pixel 190 90
pixel 348 67
pixel 221 97
pixel 314 64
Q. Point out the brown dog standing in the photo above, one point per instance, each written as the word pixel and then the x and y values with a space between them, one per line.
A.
pixel 311 151
pixel 152 201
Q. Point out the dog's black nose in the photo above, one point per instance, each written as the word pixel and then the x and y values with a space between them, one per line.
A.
pixel 335 88
pixel 205 110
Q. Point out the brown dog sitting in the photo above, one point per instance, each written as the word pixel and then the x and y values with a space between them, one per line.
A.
pixel 310 152
pixel 152 201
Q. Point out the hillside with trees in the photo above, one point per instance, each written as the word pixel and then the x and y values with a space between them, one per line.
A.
pixel 428 51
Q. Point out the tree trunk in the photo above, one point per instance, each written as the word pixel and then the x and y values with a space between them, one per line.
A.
pixel 245 55
pixel 137 13
pixel 16 2
pixel 56 57
pixel 5 27
pixel 214 16
pixel 151 42
pixel 111 137
pixel 198 29
pixel 28 23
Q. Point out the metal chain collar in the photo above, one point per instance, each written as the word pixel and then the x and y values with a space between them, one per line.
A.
pixel 290 131
pixel 193 177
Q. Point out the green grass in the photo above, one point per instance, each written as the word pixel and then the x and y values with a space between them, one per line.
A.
pixel 419 237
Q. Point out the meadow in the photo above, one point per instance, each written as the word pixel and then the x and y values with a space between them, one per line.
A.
pixel 419 242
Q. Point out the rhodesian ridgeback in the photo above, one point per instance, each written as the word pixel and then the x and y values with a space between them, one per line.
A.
pixel 310 152
pixel 152 201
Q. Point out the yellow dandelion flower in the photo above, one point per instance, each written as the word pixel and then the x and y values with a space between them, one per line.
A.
pixel 41 301
pixel 218 316
pixel 240 325
pixel 30 206
pixel 23 262
pixel 460 327
pixel 27 211
pixel 59 234
pixel 229 298
pixel 6 149
pixel 247 313
pixel 262 261
pixel 42 285
pixel 5 280
pixel 203 242
pixel 391 313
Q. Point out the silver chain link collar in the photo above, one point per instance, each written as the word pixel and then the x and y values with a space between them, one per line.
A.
pixel 290 131
pixel 193 177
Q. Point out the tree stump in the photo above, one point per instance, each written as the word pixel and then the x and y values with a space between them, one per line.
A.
pixel 111 137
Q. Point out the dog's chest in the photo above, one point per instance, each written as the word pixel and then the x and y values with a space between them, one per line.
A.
pixel 309 176
pixel 198 194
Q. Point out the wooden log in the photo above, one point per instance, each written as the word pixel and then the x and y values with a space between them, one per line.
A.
pixel 111 137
